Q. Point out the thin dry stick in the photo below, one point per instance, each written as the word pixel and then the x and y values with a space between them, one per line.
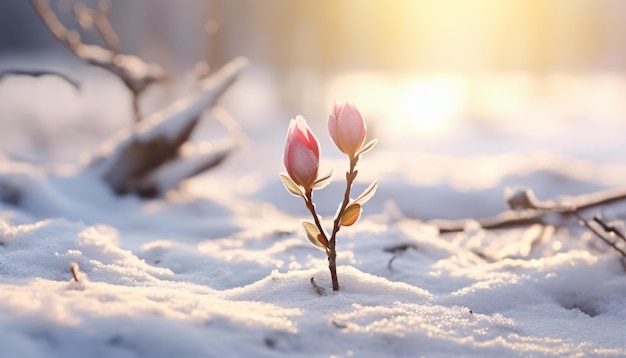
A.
pixel 74 269
pixel 308 200
pixel 318 289
pixel 332 252
pixel 598 234
pixel 609 228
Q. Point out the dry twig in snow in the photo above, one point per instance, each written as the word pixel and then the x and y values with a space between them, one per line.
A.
pixel 528 216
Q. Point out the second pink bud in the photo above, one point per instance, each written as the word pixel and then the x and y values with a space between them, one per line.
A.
pixel 347 128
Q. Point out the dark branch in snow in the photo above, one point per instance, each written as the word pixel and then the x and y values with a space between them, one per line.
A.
pixel 39 73
pixel 397 250
pixel 540 214
pixel 135 73
pixel 148 160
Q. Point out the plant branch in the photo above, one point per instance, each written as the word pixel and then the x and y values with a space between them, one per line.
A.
pixel 135 73
pixel 599 234
pixel 87 17
pixel 332 251
pixel 308 200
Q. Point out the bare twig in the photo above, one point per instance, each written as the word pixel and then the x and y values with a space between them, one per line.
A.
pixel 605 227
pixel 87 17
pixel 609 228
pixel 136 74
pixel 74 269
pixel 317 288
pixel 515 218
pixel 39 73
pixel 397 250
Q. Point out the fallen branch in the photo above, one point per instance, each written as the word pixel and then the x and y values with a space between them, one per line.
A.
pixel 149 159
pixel 529 216
pixel 131 165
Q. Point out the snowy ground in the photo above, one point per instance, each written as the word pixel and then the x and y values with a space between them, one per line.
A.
pixel 222 267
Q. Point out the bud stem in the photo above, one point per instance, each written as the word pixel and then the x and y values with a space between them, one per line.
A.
pixel 332 266
pixel 332 252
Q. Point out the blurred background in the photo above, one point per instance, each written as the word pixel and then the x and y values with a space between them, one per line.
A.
pixel 448 76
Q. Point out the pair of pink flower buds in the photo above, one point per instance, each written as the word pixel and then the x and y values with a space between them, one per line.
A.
pixel 302 153
pixel 302 156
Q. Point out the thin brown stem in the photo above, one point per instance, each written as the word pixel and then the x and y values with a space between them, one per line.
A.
pixel 332 251
pixel 308 200
pixel 74 270
pixel 332 266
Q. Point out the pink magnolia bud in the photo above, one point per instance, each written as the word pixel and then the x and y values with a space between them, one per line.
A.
pixel 347 128
pixel 302 153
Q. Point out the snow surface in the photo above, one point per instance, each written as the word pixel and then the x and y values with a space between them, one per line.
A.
pixel 221 268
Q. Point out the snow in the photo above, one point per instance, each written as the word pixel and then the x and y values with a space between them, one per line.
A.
pixel 222 267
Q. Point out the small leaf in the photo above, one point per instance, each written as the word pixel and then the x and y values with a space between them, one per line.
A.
pixel 367 194
pixel 313 234
pixel 351 214
pixel 368 147
pixel 325 180
pixel 321 238
pixel 291 186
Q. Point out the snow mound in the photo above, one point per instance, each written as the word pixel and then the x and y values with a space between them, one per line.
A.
pixel 46 250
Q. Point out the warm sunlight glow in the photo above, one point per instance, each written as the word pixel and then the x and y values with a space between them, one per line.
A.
pixel 417 104
pixel 428 104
